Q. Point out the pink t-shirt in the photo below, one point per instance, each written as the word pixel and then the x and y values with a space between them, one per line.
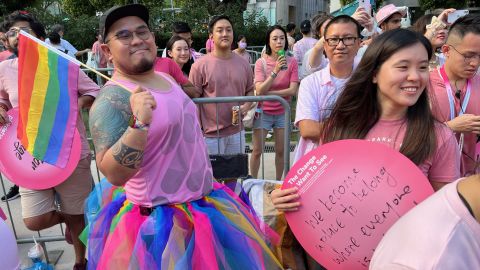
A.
pixel 100 57
pixel 5 55
pixel 175 167
pixel 245 55
pixel 441 110
pixel 263 68
pixel 439 233
pixel 302 46
pixel 442 166
pixel 167 65
pixel 9 94
pixel 217 77
pixel 209 45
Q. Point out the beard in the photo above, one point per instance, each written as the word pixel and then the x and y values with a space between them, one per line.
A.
pixel 142 67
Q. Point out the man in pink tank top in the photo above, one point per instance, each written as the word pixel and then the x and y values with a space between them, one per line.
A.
pixel 456 89
pixel 149 141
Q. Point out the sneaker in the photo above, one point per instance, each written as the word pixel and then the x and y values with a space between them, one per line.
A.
pixel 12 194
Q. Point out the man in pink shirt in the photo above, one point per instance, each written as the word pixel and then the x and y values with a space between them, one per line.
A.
pixel 222 73
pixel 38 206
pixel 456 88
pixel 318 92
pixel 442 232
pixel 304 44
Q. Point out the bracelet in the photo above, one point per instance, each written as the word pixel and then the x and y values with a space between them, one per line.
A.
pixel 273 75
pixel 137 124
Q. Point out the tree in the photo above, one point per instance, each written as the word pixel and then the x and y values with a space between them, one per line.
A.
pixel 8 6
pixel 434 4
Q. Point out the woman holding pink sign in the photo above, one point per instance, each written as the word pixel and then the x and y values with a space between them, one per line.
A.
pixel 386 101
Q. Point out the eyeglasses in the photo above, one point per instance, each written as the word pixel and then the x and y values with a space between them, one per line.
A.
pixel 468 58
pixel 13 32
pixel 126 36
pixel 347 41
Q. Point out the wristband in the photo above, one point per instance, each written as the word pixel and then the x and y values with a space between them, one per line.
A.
pixel 137 124
pixel 273 75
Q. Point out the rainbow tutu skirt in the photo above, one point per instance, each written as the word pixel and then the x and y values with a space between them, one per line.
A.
pixel 218 231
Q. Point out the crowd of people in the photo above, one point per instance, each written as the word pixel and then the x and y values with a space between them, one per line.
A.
pixel 354 77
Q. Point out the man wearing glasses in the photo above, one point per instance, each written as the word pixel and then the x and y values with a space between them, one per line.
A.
pixel 456 88
pixel 318 92
pixel 39 209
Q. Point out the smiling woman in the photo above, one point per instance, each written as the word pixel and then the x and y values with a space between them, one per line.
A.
pixel 387 98
pixel 386 101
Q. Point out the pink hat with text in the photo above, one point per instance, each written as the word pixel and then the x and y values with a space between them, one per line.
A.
pixel 388 11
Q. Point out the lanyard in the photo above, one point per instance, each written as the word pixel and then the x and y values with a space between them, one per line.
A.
pixel 451 99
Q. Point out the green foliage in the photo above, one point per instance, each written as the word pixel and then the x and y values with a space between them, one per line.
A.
pixel 78 18
pixel 434 4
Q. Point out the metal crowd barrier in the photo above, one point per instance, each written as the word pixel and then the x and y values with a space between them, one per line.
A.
pixel 242 99
pixel 42 239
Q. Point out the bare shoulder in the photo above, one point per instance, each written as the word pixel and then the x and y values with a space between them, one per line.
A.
pixel 109 116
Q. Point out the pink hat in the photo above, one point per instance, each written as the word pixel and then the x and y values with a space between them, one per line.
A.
pixel 388 11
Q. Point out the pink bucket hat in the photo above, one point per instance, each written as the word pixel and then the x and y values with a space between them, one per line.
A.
pixel 388 11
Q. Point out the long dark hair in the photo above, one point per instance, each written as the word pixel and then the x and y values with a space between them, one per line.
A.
pixel 268 49
pixel 187 66
pixel 357 109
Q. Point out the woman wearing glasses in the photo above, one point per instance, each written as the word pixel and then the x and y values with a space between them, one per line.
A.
pixel 386 101
pixel 275 74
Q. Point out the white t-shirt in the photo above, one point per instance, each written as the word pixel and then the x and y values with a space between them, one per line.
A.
pixel 439 234
pixel 64 46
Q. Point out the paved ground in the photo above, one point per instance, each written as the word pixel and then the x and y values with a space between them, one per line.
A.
pixel 66 260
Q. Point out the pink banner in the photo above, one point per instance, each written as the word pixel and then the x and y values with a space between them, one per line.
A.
pixel 351 193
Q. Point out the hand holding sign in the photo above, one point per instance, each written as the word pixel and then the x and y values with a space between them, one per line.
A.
pixel 351 192
pixel 23 169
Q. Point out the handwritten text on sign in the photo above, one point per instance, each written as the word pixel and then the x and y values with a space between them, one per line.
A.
pixel 351 192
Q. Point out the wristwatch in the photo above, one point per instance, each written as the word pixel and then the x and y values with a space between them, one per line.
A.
pixel 273 75
pixel 137 124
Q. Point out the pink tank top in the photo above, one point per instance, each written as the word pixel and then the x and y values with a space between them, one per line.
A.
pixel 176 167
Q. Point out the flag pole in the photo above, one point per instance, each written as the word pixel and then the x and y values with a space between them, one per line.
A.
pixel 72 59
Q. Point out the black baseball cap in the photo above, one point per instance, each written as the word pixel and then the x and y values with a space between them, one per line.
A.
pixel 117 12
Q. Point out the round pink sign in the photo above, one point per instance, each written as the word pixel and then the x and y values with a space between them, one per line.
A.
pixel 23 169
pixel 351 192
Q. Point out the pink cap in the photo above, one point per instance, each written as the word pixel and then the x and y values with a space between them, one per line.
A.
pixel 388 11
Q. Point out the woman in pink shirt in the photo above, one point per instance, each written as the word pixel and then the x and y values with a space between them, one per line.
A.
pixel 386 101
pixel 179 50
pixel 274 75
pixel 242 48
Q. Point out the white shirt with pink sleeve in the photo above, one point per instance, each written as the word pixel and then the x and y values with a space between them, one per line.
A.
pixel 439 234
pixel 316 97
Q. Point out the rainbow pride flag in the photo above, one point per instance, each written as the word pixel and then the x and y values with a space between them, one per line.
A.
pixel 48 101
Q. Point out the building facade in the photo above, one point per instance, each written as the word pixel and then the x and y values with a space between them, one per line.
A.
pixel 286 11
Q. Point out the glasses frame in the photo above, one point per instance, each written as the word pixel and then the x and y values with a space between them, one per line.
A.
pixel 341 40
pixel 131 36
pixel 466 59
pixel 17 30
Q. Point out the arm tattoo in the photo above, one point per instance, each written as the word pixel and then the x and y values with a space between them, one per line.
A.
pixel 127 156
pixel 109 117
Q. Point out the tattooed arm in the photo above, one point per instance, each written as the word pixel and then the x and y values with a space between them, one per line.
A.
pixel 119 148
